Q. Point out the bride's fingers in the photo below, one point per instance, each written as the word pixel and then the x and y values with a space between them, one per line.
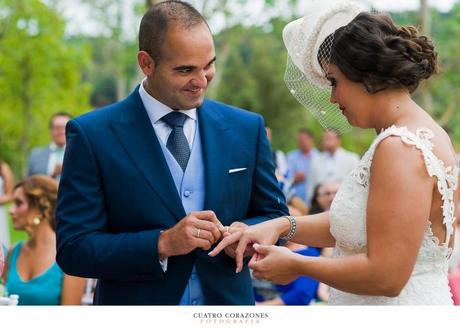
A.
pixel 253 260
pixel 227 241
pixel 259 275
pixel 239 253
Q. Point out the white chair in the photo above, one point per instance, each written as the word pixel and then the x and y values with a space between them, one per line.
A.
pixel 13 300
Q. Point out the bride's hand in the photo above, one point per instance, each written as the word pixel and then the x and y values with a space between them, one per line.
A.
pixel 272 263
pixel 231 249
pixel 264 233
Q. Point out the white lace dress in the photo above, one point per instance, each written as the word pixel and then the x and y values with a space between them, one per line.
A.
pixel 428 282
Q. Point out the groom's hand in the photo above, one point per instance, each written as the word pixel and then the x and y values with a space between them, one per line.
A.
pixel 198 229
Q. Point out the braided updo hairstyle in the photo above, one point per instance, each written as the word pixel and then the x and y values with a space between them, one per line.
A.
pixel 41 194
pixel 372 50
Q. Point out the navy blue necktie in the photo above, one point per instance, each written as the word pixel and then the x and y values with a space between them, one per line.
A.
pixel 177 142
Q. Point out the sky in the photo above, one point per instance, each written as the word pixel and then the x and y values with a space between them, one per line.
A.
pixel 401 5
pixel 80 19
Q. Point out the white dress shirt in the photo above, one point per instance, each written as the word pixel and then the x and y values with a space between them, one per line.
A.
pixel 56 157
pixel 157 110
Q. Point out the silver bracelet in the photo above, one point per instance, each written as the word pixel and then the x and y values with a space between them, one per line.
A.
pixel 292 228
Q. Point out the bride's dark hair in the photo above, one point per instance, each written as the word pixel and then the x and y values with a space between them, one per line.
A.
pixel 372 50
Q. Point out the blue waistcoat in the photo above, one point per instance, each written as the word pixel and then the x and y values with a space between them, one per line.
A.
pixel 190 186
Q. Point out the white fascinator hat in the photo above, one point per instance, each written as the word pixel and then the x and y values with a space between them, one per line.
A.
pixel 304 76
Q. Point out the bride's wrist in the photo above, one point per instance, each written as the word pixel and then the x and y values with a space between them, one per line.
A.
pixel 287 227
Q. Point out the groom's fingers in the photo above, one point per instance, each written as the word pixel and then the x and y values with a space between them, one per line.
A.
pixel 205 235
pixel 208 227
pixel 208 221
pixel 208 215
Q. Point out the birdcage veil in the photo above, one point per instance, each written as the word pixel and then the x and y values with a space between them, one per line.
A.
pixel 308 41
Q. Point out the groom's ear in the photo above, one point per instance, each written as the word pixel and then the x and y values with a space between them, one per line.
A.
pixel 146 62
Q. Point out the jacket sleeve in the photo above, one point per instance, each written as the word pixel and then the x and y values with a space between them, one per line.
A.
pixel 267 200
pixel 85 247
pixel 31 161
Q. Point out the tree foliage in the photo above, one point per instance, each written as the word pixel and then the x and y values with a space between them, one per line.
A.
pixel 40 73
pixel 444 86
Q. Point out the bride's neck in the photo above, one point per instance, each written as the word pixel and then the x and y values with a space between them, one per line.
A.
pixel 392 108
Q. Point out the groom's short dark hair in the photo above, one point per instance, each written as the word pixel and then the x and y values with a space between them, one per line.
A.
pixel 156 21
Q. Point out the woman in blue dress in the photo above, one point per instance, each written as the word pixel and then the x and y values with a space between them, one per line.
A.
pixel 31 270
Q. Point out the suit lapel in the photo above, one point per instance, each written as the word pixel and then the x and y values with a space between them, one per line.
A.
pixel 140 142
pixel 216 140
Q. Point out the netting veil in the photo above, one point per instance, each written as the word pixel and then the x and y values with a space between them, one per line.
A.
pixel 308 57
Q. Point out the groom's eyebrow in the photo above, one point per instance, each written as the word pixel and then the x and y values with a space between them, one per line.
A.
pixel 212 61
pixel 191 67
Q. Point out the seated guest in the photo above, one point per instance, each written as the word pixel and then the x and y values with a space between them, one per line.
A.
pixel 31 270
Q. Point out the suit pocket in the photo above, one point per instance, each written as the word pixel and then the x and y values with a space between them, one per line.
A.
pixel 238 191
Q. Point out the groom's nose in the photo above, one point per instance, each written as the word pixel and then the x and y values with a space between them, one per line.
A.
pixel 200 80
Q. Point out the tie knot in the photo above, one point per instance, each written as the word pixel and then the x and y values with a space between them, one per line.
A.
pixel 174 119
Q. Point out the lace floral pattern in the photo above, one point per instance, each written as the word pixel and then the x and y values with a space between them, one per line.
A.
pixel 428 282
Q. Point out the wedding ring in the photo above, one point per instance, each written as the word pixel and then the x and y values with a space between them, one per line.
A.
pixel 227 228
pixel 198 233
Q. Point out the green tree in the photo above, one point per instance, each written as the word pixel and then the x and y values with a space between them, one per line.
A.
pixel 39 75
pixel 114 46
pixel 445 32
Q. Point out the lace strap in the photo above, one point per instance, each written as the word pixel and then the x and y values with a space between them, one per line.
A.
pixel 447 177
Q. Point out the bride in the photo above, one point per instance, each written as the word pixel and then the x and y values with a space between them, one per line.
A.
pixel 391 222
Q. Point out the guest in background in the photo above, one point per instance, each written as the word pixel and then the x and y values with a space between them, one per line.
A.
pixel 279 159
pixel 299 162
pixel 6 193
pixel 282 173
pixel 31 270
pixel 47 160
pixel 333 163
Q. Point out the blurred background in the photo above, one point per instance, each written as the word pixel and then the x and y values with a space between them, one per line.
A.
pixel 78 55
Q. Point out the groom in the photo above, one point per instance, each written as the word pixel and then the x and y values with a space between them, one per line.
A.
pixel 149 183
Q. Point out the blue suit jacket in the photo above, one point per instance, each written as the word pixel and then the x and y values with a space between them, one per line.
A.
pixel 116 194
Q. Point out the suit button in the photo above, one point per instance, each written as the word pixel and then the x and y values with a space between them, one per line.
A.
pixel 187 193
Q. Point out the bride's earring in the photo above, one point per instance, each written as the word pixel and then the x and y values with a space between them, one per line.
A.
pixel 36 221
